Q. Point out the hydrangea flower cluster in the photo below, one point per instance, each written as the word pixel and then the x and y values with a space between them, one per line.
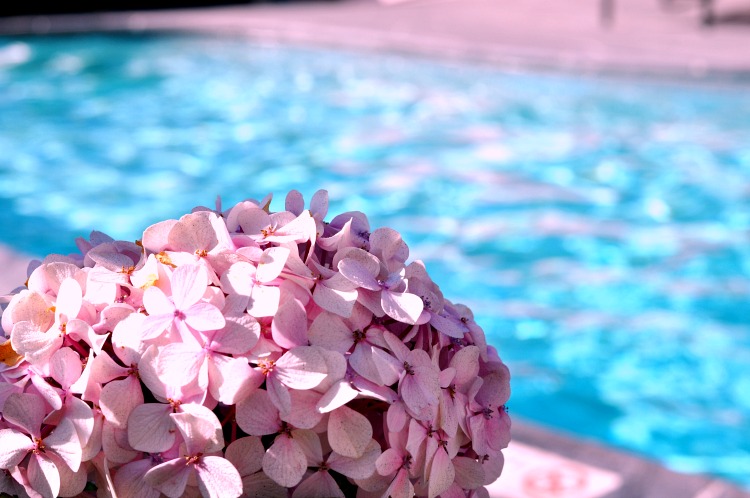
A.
pixel 241 352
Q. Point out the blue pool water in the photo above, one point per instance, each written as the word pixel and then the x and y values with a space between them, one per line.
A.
pixel 598 227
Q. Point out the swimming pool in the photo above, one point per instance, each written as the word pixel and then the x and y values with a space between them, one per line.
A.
pixel 598 227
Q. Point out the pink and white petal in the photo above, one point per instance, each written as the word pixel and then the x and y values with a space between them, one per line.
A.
pixel 285 462
pixel 401 486
pixel 156 237
pixel 289 325
pixel 129 480
pixel 231 380
pixel 218 478
pixel 339 302
pixel 264 301
pixel 466 363
pixel 309 442
pixel 252 219
pixel 169 477
pixel 104 369
pixel 150 429
pixel 204 316
pixel 246 454
pixel 65 367
pixel 442 474
pixel 402 306
pixel 303 413
pixel 13 447
pixel 94 444
pixel 64 442
pixel 179 364
pixel 50 394
pixel 200 429
pixel 356 468
pixel 278 394
pixel 449 327
pixel 338 395
pixel 319 204
pixel 79 330
pixel 119 398
pixel 271 263
pixel 238 336
pixel 26 411
pixel 81 416
pixel 257 415
pixel 192 233
pixel 259 485
pixel 157 303
pixel 396 417
pixel 493 468
pixel 69 299
pixel 399 349
pixel 36 346
pixel 319 485
pixel 71 483
pixel 469 472
pixel 349 432
pixel 294 202
pixel 303 367
pixel 383 371
pixel 495 389
pixel 359 274
pixel 188 285
pixel 43 476
pixel 421 400
pixel 330 332
pixel 126 339
pixel 455 491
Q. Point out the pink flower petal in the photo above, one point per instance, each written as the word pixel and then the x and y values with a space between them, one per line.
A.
pixel 179 364
pixel 188 285
pixel 35 345
pixel 340 302
pixel 170 477
pixel 43 476
pixel 294 202
pixel 26 411
pixel 303 413
pixel 156 237
pixel 71 483
pixel 285 462
pixel 356 468
pixel 69 299
pixel 261 486
pixel 129 480
pixel 119 398
pixel 204 316
pixel 231 379
pixel 150 429
pixel 441 474
pixel 81 416
pixel 469 472
pixel 246 454
pixel 218 478
pixel 359 274
pixel 13 447
pixel 330 332
pixel 257 415
pixel 264 301
pixel 319 485
pixel 115 445
pixel 402 306
pixel 338 395
pixel 65 367
pixel 271 263
pixel 64 442
pixel 289 326
pixel 194 232
pixel 401 486
pixel 157 303
pixel 200 429
pixel 278 394
pixel 309 442
pixel 349 432
pixel 303 367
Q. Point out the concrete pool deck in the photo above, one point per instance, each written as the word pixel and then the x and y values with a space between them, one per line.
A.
pixel 644 37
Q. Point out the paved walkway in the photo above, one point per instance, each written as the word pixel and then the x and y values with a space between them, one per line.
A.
pixel 642 36
pixel 654 36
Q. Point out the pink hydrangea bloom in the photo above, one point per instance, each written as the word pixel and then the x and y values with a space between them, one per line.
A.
pixel 245 352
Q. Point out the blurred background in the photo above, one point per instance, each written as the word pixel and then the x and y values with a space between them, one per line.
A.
pixel 577 173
